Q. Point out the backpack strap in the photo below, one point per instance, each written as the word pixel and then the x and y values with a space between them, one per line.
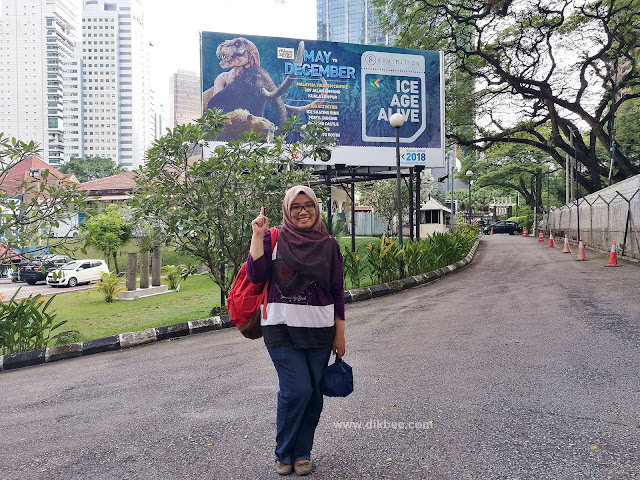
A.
pixel 274 238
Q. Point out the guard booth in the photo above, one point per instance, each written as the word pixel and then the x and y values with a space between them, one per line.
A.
pixel 434 217
pixel 501 206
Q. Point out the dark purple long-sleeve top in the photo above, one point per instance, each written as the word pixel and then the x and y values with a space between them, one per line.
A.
pixel 305 320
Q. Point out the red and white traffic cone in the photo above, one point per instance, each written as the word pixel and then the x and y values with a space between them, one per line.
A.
pixel 541 237
pixel 491 230
pixel 525 232
pixel 582 257
pixel 613 256
pixel 551 239
pixel 566 248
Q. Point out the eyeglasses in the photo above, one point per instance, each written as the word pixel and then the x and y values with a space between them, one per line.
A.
pixel 307 207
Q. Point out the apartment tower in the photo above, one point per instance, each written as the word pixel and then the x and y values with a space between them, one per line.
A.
pixel 350 21
pixel 184 97
pixel 37 37
pixel 117 117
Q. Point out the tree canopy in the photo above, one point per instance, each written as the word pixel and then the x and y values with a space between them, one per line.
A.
pixel 206 205
pixel 534 63
pixel 107 231
pixel 91 168
pixel 30 209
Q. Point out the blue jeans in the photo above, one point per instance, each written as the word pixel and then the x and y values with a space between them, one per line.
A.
pixel 299 399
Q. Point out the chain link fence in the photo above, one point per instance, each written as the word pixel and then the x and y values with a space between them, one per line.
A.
pixel 612 213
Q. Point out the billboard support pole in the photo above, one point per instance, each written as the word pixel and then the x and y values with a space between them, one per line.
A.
pixel 418 203
pixel 411 203
pixel 353 216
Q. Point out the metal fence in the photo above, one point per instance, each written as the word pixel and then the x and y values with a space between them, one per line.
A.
pixel 612 213
pixel 369 224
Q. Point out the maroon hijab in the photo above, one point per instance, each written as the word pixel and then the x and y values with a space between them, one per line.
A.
pixel 308 252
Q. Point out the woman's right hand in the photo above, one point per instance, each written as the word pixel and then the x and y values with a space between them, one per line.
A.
pixel 260 224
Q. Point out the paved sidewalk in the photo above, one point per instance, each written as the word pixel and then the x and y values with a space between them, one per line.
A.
pixel 523 365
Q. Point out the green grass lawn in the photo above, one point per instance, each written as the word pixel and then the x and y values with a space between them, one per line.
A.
pixel 89 314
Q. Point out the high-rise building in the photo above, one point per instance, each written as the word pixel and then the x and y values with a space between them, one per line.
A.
pixel 73 107
pixel 351 21
pixel 117 117
pixel 184 97
pixel 37 37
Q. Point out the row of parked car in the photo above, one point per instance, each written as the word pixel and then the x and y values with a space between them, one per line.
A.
pixel 59 270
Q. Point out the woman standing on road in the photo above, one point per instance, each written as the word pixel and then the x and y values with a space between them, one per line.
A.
pixel 305 318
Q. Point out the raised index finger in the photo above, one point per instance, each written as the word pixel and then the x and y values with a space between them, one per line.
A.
pixel 262 211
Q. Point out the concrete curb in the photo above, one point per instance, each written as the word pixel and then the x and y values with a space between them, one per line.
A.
pixel 132 339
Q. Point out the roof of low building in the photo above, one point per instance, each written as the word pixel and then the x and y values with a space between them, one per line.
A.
pixel 434 204
pixel 123 181
pixel 30 170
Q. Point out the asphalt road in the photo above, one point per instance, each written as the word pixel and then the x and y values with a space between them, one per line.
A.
pixel 8 288
pixel 522 366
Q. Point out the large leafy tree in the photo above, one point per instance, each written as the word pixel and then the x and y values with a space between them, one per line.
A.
pixel 107 230
pixel 31 208
pixel 206 205
pixel 91 168
pixel 514 167
pixel 533 63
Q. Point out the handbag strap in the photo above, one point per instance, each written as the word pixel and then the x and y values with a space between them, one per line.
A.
pixel 274 238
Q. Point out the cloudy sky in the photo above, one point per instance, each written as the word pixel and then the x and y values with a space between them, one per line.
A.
pixel 173 28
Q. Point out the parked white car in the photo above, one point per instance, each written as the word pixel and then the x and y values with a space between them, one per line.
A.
pixel 79 271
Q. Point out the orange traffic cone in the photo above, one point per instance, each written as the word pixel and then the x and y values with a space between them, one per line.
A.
pixel 541 237
pixel 525 232
pixel 613 256
pixel 551 239
pixel 566 245
pixel 582 257
pixel 491 230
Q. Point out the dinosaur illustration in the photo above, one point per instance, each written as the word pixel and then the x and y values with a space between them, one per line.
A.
pixel 248 86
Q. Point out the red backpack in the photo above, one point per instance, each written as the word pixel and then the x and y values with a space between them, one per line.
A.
pixel 245 298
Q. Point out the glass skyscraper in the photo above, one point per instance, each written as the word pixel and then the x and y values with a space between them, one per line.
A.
pixel 352 21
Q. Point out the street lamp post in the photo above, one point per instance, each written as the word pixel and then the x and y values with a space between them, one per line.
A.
pixel 469 175
pixel 397 120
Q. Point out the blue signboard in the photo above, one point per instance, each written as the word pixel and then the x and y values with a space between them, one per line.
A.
pixel 351 89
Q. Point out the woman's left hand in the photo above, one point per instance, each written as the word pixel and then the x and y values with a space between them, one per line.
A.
pixel 339 343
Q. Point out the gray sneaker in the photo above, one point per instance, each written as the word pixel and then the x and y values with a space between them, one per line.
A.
pixel 283 469
pixel 303 467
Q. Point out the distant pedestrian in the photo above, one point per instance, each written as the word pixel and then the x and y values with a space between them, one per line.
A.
pixel 305 318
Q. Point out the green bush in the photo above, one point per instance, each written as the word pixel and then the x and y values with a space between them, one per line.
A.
pixel 383 261
pixel 26 324
pixel 108 286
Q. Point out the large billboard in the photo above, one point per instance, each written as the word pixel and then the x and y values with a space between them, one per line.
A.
pixel 351 89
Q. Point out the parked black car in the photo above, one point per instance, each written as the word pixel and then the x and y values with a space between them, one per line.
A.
pixel 36 270
pixel 503 226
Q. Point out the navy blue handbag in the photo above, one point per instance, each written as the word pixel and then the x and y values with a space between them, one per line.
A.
pixel 337 379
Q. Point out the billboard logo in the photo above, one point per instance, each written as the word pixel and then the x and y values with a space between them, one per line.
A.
pixel 392 82
pixel 286 53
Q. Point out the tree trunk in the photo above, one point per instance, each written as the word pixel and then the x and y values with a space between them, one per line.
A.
pixel 115 262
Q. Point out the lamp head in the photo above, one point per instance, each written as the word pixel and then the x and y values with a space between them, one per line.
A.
pixel 469 173
pixel 396 120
